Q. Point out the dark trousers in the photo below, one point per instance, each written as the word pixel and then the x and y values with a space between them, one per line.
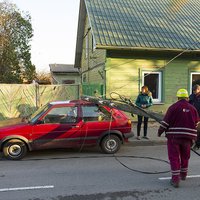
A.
pixel 198 139
pixel 140 123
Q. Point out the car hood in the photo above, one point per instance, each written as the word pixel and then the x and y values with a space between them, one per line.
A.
pixel 9 122
pixel 15 128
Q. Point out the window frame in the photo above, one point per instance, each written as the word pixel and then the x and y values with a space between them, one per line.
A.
pixel 101 112
pixel 190 86
pixel 159 99
pixel 61 112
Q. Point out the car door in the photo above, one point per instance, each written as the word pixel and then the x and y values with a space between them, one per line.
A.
pixel 59 127
pixel 96 121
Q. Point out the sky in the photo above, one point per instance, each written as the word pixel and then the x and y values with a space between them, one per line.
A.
pixel 55 25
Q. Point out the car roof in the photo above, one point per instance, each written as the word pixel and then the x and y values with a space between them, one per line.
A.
pixel 82 102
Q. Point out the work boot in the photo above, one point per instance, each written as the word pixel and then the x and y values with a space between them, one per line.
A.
pixel 174 184
pixel 183 178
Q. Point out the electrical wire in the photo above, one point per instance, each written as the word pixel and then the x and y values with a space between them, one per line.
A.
pixel 128 101
pixel 171 60
pixel 124 98
pixel 109 156
pixel 195 152
pixel 115 156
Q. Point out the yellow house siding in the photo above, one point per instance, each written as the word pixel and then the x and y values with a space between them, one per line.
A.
pixel 93 64
pixel 176 76
pixel 121 76
pixel 124 76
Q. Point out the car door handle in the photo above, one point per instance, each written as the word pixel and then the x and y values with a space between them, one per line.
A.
pixel 75 126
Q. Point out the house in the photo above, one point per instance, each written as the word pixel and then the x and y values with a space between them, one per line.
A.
pixel 64 74
pixel 125 44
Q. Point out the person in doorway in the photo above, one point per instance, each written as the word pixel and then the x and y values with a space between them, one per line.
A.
pixel 194 99
pixel 144 100
pixel 179 125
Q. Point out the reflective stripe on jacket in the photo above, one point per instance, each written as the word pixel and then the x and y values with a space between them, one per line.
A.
pixel 180 121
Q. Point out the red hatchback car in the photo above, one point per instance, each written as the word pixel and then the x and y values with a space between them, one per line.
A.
pixel 65 124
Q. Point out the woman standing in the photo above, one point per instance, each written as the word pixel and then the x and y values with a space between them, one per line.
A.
pixel 144 100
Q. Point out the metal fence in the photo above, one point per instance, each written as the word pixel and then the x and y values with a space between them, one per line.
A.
pixel 19 100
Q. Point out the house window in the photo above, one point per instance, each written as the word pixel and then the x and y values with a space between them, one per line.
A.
pixel 153 81
pixel 195 79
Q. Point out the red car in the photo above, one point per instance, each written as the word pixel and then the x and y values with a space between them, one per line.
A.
pixel 65 124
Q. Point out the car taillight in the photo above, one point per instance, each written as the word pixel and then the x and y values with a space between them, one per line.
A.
pixel 129 122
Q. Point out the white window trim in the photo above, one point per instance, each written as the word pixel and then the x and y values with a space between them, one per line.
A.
pixel 158 100
pixel 192 73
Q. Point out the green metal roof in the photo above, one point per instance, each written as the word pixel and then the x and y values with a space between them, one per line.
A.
pixel 162 24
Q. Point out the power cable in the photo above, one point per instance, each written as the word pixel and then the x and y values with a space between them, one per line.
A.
pixel 129 102
pixel 178 55
pixel 111 156
pixel 117 157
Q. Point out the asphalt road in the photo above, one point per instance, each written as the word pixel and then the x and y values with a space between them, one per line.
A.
pixel 90 175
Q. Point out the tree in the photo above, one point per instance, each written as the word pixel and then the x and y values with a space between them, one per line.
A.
pixel 43 78
pixel 15 35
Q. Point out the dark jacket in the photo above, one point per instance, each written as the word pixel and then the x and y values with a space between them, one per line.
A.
pixel 180 121
pixel 144 99
pixel 194 99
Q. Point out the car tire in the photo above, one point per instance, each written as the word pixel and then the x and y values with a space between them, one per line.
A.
pixel 110 144
pixel 14 149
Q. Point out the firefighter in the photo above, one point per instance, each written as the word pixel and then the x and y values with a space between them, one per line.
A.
pixel 179 125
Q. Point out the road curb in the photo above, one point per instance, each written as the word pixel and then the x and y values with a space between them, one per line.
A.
pixel 146 143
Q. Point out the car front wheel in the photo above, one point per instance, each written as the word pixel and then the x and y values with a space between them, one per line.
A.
pixel 110 144
pixel 14 149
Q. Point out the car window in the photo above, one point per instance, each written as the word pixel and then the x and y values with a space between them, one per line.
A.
pixel 95 113
pixel 61 115
pixel 35 116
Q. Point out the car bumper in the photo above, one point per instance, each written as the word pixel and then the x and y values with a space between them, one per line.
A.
pixel 128 135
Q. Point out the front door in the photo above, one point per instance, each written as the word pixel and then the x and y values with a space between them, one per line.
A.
pixel 58 128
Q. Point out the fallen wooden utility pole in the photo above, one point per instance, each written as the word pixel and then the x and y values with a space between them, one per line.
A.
pixel 126 105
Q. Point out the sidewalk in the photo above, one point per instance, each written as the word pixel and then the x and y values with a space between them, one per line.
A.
pixel 151 134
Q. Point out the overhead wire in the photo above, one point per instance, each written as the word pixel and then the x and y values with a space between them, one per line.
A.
pixel 124 99
pixel 116 157
pixel 171 60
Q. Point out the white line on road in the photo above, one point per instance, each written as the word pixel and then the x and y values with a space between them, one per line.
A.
pixel 168 178
pixel 27 188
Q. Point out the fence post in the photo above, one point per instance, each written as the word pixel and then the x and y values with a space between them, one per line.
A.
pixel 36 93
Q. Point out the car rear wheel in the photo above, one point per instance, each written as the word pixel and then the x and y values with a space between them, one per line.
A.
pixel 14 149
pixel 110 144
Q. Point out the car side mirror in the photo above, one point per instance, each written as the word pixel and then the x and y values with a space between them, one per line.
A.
pixel 100 118
pixel 40 121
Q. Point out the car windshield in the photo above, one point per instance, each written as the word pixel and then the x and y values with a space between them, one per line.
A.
pixel 34 117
